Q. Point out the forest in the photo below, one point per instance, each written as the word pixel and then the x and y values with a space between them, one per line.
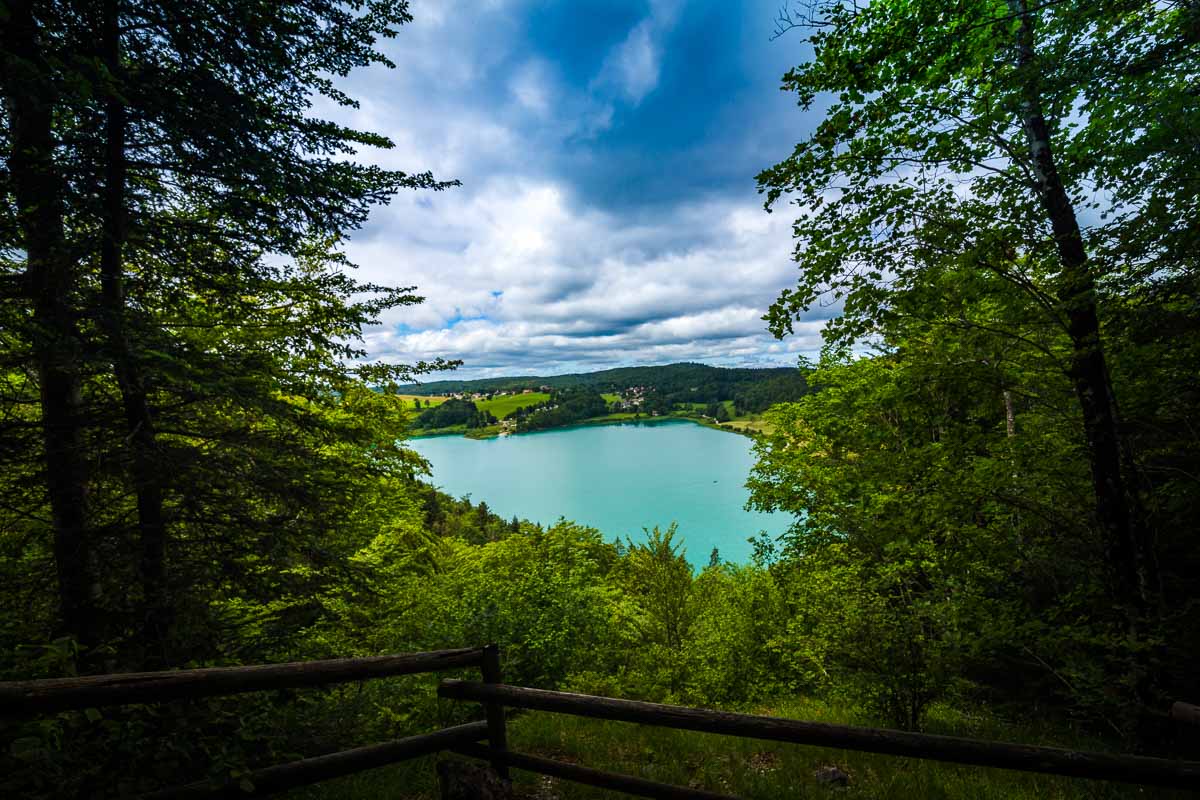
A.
pixel 451 413
pixel 993 465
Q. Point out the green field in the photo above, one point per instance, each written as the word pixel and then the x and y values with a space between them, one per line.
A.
pixel 700 408
pixel 610 398
pixel 430 401
pixel 501 407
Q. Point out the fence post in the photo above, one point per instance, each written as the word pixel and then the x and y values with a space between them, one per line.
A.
pixel 497 735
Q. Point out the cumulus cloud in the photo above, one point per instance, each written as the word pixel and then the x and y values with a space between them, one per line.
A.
pixel 584 236
pixel 517 277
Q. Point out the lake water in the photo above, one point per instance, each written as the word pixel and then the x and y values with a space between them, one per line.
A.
pixel 617 478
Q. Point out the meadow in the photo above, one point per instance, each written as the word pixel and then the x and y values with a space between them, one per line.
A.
pixel 503 405
pixel 500 407
pixel 430 401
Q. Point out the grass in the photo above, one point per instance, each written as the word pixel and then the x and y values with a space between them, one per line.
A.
pixel 749 425
pixel 426 400
pixel 756 770
pixel 501 406
pixel 701 408
pixel 610 398
pixel 419 433
pixel 486 432
pixel 410 780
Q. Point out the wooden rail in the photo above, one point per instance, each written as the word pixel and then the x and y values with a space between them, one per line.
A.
pixel 1025 758
pixel 25 698
pixel 282 777
pixel 21 698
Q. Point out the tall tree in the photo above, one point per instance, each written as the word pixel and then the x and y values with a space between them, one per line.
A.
pixel 972 129
pixel 146 467
pixel 36 187
pixel 179 213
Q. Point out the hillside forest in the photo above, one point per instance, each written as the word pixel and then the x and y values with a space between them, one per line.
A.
pixel 993 465
pixel 712 395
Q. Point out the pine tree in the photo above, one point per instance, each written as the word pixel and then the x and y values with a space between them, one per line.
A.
pixel 185 316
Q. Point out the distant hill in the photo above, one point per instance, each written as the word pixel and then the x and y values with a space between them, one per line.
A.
pixel 665 378
pixel 750 389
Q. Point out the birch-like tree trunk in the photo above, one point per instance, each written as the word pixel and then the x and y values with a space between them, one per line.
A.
pixel 1116 508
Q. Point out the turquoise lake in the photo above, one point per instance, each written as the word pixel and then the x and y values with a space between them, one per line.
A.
pixel 618 478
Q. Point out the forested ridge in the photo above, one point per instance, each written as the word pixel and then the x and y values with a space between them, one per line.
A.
pixel 992 466
pixel 669 379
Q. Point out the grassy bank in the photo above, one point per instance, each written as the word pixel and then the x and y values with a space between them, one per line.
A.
pixel 754 769
pixel 747 424
pixel 752 425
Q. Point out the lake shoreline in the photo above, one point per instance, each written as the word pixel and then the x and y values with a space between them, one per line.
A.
pixel 492 431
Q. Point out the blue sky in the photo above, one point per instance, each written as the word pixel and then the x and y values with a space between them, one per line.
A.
pixel 608 213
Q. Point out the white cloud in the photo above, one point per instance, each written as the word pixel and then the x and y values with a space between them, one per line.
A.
pixel 633 66
pixel 517 276
pixel 520 272
pixel 530 86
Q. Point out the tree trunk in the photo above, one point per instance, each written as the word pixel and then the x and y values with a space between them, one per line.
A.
pixel 1116 509
pixel 1010 417
pixel 141 438
pixel 38 191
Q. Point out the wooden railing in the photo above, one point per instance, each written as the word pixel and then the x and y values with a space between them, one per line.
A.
pixel 41 697
pixel 32 698
pixel 1025 758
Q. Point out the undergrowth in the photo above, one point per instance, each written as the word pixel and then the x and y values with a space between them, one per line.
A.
pixel 754 769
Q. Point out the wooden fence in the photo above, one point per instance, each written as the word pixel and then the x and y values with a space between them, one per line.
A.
pixel 1024 758
pixel 32 698
pixel 41 697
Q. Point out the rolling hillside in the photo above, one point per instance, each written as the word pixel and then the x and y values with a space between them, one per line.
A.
pixel 706 382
